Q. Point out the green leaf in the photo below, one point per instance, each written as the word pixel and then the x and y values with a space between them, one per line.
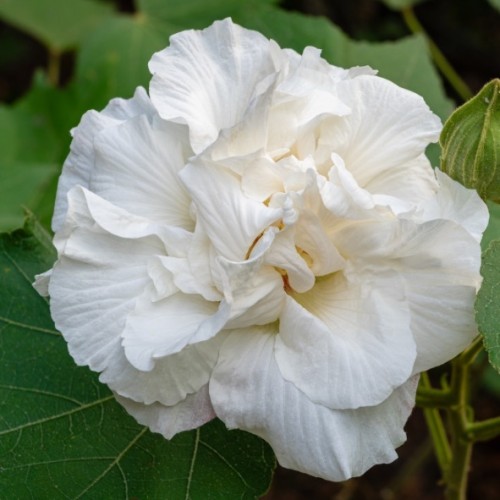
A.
pixel 400 4
pixel 34 140
pixel 493 230
pixel 27 163
pixel 495 4
pixel 195 13
pixel 23 185
pixel 59 24
pixel 470 143
pixel 114 59
pixel 488 303
pixel 62 434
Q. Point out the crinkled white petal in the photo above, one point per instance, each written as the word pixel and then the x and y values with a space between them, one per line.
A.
pixel 404 188
pixel 457 203
pixel 387 127
pixel 253 293
pixel 80 162
pixel 136 167
pixel 172 379
pixel 156 329
pixel 95 285
pixel 207 78
pixel 188 414
pixel 231 220
pixel 249 393
pixel 85 206
pixel 440 265
pixel 347 344
pixel 283 255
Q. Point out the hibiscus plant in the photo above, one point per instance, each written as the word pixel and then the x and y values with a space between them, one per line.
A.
pixel 254 254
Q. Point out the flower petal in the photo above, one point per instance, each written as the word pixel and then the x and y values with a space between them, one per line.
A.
pixel 253 293
pixel 234 221
pixel 440 265
pixel 459 204
pixel 207 78
pixel 96 280
pixel 387 127
pixel 136 168
pixel 157 329
pixel 80 162
pixel 347 344
pixel 249 393
pixel 188 414
pixel 171 380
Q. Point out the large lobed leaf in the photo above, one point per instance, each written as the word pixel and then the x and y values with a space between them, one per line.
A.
pixel 59 24
pixel 62 434
pixel 488 303
pixel 34 138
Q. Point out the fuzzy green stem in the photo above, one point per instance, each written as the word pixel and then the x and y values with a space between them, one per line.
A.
pixel 461 447
pixel 442 63
pixel 485 430
pixel 436 428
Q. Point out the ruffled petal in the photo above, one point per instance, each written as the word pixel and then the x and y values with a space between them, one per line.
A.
pixel 80 163
pixel 157 329
pixel 171 380
pixel 97 278
pixel 254 294
pixel 249 393
pixel 440 266
pixel 347 344
pixel 136 167
pixel 207 78
pixel 188 414
pixel 102 271
pixel 232 222
pixel 438 262
pixel 387 127
pixel 457 203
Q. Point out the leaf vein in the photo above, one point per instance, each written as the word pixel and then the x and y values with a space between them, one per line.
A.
pixel 55 417
pixel 191 466
pixel 43 393
pixel 116 461
pixel 231 466
pixel 29 327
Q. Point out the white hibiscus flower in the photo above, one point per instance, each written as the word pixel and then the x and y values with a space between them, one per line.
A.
pixel 262 239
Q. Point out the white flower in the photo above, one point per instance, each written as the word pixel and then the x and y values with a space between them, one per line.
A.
pixel 263 240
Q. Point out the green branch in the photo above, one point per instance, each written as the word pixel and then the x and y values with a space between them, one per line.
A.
pixel 442 63
pixel 485 430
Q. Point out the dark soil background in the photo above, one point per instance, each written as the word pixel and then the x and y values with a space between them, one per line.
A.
pixel 468 33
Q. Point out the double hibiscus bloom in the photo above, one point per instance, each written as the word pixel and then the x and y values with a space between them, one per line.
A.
pixel 262 239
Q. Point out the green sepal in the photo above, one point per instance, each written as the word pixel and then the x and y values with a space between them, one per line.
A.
pixel 470 143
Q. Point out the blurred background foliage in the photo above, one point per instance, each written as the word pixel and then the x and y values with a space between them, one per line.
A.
pixel 59 58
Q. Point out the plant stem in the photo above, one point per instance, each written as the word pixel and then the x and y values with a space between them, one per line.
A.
pixel 442 63
pixel 485 430
pixel 54 66
pixel 436 429
pixel 454 460
pixel 461 447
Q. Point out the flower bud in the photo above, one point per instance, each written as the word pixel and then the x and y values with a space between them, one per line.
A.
pixel 470 143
